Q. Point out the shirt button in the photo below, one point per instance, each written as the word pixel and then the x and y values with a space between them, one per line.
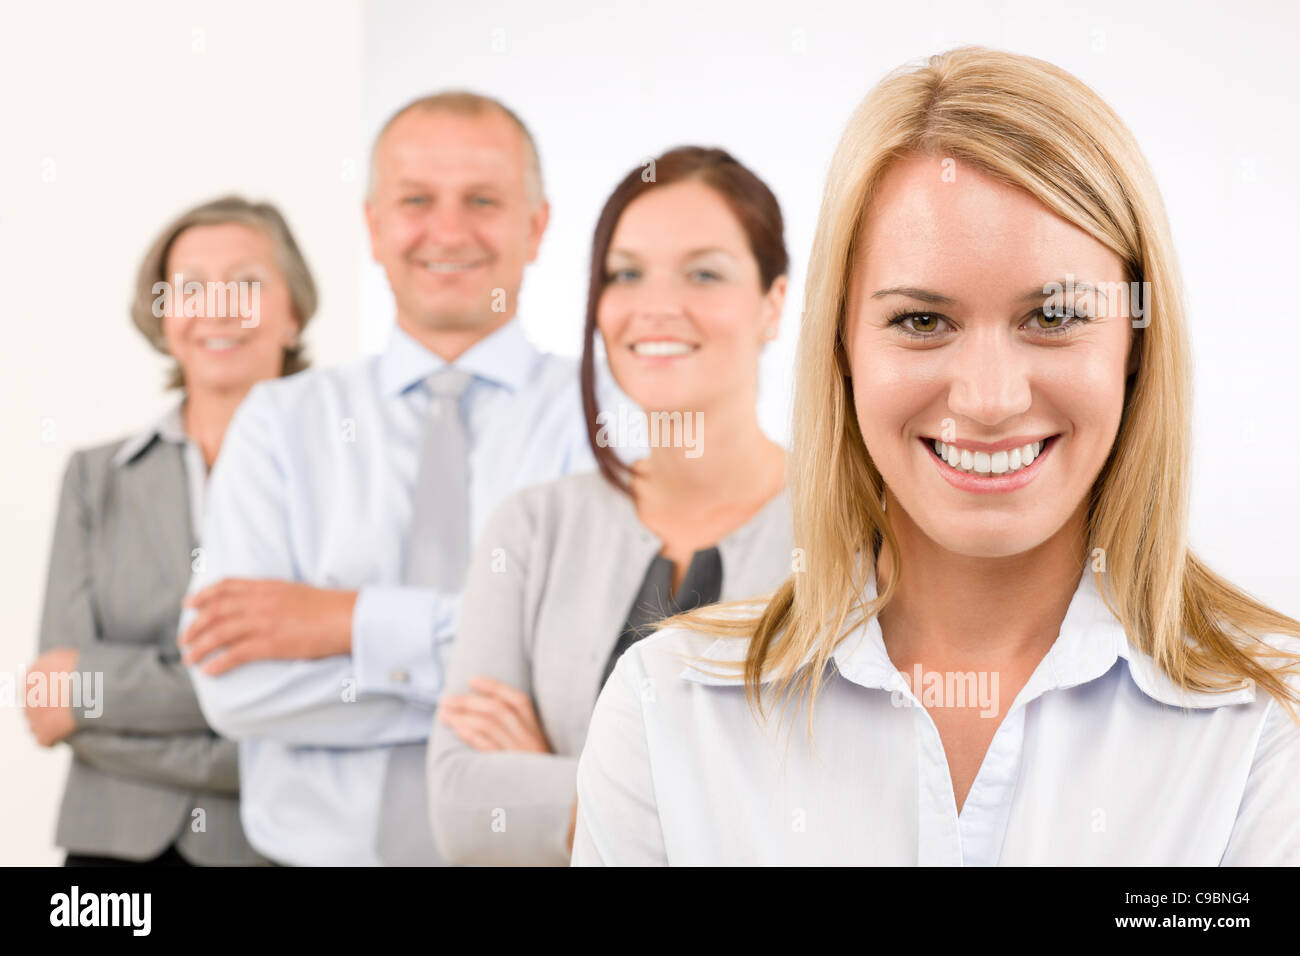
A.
pixel 398 676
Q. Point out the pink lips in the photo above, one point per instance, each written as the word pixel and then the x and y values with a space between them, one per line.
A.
pixel 990 484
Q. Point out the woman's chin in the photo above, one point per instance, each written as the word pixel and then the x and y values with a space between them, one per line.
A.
pixel 225 378
pixel 974 536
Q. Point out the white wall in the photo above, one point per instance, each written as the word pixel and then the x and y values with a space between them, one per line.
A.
pixel 139 110
pixel 282 100
pixel 1208 89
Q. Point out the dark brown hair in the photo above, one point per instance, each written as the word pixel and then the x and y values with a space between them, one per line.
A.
pixel 753 205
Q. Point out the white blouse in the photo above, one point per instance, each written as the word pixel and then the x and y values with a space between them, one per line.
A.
pixel 1095 762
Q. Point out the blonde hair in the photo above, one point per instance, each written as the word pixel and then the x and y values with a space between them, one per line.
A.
pixel 1034 126
pixel 465 103
pixel 218 212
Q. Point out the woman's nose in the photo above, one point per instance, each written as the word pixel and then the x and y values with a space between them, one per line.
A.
pixel 657 298
pixel 989 380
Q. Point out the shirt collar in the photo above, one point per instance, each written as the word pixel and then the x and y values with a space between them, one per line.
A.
pixel 1091 641
pixel 169 427
pixel 505 357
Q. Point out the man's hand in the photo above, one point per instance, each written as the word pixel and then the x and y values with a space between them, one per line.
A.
pixel 494 716
pixel 266 620
pixel 54 721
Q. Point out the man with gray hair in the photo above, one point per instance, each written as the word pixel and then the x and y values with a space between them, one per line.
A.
pixel 345 501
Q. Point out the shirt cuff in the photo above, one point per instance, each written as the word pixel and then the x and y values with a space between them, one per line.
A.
pixel 397 633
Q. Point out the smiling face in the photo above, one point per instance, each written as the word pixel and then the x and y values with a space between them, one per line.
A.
pixel 683 314
pixel 212 345
pixel 452 218
pixel 952 337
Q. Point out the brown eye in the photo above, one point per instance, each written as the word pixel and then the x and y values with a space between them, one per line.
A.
pixel 918 325
pixel 1058 320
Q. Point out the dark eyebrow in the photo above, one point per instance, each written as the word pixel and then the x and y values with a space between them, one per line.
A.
pixel 710 250
pixel 938 298
pixel 924 295
pixel 1066 286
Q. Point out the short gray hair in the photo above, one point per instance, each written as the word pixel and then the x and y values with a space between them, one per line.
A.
pixel 228 209
pixel 465 103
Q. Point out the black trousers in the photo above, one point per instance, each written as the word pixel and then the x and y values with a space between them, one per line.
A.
pixel 168 857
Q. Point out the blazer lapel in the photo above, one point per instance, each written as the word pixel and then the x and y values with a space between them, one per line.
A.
pixel 159 491
pixel 632 555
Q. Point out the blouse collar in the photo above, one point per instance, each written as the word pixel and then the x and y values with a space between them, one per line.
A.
pixel 169 427
pixel 1091 641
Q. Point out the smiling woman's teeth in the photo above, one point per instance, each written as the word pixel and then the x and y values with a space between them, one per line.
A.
pixel 450 266
pixel 220 345
pixel 984 463
pixel 661 348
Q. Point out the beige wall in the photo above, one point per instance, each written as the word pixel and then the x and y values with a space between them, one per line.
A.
pixel 114 121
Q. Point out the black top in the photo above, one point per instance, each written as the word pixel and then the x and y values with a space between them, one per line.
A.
pixel 655 601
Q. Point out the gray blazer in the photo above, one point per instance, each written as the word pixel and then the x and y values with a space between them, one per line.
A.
pixel 547 593
pixel 143 768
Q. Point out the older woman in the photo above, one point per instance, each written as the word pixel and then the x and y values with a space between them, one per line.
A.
pixel 687 283
pixel 989 477
pixel 226 293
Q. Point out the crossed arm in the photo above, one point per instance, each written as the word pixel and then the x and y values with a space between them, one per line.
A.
pixel 272 657
pixel 147 724
pixel 498 794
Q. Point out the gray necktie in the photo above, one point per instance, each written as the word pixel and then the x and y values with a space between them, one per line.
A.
pixel 437 553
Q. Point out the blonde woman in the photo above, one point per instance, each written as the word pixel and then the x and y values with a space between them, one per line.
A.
pixel 225 293
pixel 1002 646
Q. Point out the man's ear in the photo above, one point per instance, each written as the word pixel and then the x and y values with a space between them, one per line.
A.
pixel 537 221
pixel 372 226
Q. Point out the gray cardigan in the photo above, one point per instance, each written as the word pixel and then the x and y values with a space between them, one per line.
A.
pixel 548 591
pixel 119 566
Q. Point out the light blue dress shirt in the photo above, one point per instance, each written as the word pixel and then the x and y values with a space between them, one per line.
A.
pixel 314 484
